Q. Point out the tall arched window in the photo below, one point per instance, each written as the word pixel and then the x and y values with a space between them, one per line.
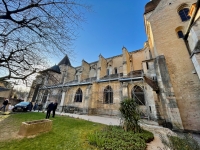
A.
pixel 115 70
pixel 108 95
pixel 108 72
pixel 137 93
pixel 44 98
pixel 78 96
pixel 183 13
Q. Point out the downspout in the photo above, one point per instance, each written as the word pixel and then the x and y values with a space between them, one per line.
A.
pixel 187 46
pixel 189 27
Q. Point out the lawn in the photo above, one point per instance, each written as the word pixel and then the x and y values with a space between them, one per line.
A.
pixel 67 133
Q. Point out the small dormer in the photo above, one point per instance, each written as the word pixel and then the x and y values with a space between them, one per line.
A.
pixel 78 74
pixel 93 70
pixel 109 67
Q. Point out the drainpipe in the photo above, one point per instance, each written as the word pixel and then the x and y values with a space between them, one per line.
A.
pixel 189 27
pixel 187 46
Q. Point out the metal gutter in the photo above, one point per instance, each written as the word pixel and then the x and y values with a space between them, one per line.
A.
pixel 66 85
pixel 127 79
pixel 106 80
pixel 89 83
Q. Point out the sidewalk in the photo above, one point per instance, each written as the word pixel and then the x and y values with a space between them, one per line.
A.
pixel 98 119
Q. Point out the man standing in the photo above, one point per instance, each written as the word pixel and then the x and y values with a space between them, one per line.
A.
pixel 55 107
pixel 5 103
pixel 50 107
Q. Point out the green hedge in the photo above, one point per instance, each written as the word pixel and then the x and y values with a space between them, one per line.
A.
pixel 114 138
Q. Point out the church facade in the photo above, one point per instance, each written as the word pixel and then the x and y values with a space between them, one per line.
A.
pixel 163 77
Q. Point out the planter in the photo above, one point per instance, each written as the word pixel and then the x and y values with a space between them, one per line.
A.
pixel 35 127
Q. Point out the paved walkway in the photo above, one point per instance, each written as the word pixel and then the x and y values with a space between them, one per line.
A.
pixel 104 120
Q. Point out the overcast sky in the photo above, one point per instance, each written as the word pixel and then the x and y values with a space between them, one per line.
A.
pixel 112 25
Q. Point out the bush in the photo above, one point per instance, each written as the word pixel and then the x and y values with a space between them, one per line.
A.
pixel 130 114
pixel 114 138
pixel 146 136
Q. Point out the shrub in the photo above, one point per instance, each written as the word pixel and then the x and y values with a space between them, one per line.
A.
pixel 146 136
pixel 114 137
pixel 130 114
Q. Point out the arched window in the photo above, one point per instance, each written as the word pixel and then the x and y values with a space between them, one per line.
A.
pixel 108 72
pixel 44 98
pixel 180 34
pixel 137 93
pixel 179 31
pixel 115 70
pixel 78 96
pixel 108 95
pixel 183 13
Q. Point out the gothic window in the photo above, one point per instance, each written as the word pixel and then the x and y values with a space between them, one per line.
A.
pixel 108 95
pixel 150 109
pixel 180 34
pixel 115 70
pixel 183 13
pixel 44 98
pixel 147 64
pixel 150 55
pixel 78 96
pixel 108 72
pixel 137 93
pixel 76 77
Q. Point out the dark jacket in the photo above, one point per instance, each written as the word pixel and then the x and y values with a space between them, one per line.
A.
pixel 50 106
pixel 5 102
pixel 55 106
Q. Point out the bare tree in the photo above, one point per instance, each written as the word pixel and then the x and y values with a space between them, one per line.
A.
pixel 31 30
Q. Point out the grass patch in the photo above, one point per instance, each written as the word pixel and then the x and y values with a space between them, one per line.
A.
pixel 67 133
pixel 114 138
pixel 70 134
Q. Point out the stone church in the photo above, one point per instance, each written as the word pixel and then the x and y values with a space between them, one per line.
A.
pixel 163 76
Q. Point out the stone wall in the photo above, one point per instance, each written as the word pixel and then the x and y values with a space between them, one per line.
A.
pixel 186 85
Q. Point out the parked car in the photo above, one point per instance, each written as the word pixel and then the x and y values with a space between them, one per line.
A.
pixel 22 106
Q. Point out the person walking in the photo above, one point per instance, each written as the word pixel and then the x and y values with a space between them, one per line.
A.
pixel 5 103
pixel 50 107
pixel 35 106
pixel 31 106
pixel 54 108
